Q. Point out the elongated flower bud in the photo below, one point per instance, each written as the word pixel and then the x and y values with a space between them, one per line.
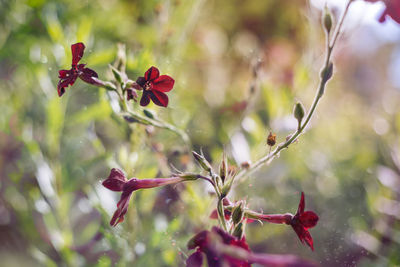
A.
pixel 239 231
pixel 238 213
pixel 298 112
pixel 327 20
pixel 223 168
pixel 202 161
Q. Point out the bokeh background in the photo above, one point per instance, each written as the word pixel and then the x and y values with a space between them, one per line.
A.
pixel 54 152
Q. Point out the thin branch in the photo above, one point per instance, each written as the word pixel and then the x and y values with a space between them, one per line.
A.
pixel 321 87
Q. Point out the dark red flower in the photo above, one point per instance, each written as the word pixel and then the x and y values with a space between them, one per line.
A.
pixel 303 220
pixel 223 249
pixel 117 181
pixel 207 242
pixel 392 10
pixel 154 87
pixel 300 222
pixel 68 77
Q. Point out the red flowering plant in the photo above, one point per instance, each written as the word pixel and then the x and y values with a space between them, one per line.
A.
pixel 224 245
pixel 68 77
pixel 117 181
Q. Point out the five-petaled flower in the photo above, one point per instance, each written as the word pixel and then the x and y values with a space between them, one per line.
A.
pixel 117 181
pixel 68 77
pixel 303 220
pixel 300 222
pixel 154 87
pixel 392 10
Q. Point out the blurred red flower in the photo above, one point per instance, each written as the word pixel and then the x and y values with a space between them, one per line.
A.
pixel 392 10
pixel 68 77
pixel 117 181
pixel 154 87
pixel 223 249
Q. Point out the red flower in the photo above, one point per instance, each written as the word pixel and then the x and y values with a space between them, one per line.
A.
pixel 68 77
pixel 117 181
pixel 223 249
pixel 392 10
pixel 207 242
pixel 154 86
pixel 303 220
pixel 300 222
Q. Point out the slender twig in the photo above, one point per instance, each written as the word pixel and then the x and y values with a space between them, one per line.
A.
pixel 321 87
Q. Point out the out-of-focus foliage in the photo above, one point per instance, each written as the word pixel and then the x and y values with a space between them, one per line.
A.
pixel 55 151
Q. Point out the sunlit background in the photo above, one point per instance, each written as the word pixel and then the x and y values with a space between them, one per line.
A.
pixel 54 152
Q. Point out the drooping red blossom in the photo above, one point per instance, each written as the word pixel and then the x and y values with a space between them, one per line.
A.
pixel 117 181
pixel 68 77
pixel 392 10
pixel 223 249
pixel 154 87
pixel 300 222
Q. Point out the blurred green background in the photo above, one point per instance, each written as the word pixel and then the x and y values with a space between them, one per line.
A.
pixel 54 152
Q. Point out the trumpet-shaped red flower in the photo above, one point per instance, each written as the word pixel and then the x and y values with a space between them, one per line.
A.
pixel 222 249
pixel 303 220
pixel 392 10
pixel 300 222
pixel 68 77
pixel 154 87
pixel 117 181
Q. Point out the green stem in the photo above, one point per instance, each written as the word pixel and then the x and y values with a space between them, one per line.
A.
pixel 159 124
pixel 270 156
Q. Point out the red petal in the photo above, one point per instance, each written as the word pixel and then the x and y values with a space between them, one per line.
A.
pixel 62 74
pixel 164 83
pixel 393 10
pixel 122 208
pixel 308 219
pixel 87 76
pixel 115 181
pixel 152 74
pixel 77 52
pixel 195 260
pixel 145 100
pixel 159 98
pixel 304 235
pixel 199 240
pixel 302 204
pixel 141 82
pixel 382 18
pixel 63 83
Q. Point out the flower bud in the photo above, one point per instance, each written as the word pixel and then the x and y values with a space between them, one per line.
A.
pixel 327 72
pixel 148 113
pixel 298 112
pixel 117 74
pixel 238 213
pixel 271 139
pixel 202 161
pixel 327 20
pixel 223 168
pixel 238 232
